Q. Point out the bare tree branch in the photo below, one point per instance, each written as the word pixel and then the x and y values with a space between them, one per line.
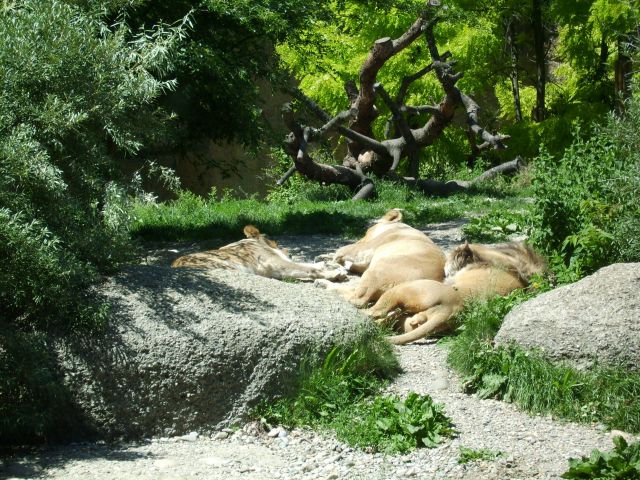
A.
pixel 472 108
pixel 367 142
pixel 437 188
pixel 297 143
pixel 365 152
pixel 419 110
pixel 288 174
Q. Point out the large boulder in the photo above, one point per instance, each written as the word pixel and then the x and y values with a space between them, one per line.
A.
pixel 195 350
pixel 595 320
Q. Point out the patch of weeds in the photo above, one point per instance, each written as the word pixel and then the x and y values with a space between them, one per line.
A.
pixel 623 462
pixel 290 280
pixel 496 226
pixel 468 455
pixel 607 395
pixel 329 384
pixel 341 392
pixel 390 424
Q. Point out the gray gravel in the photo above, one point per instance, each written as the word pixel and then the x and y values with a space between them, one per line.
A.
pixel 531 446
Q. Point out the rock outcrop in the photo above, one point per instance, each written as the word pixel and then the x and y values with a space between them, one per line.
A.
pixel 193 350
pixel 593 321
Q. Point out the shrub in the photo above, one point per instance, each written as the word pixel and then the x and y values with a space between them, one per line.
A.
pixel 621 463
pixel 75 95
pixel 587 203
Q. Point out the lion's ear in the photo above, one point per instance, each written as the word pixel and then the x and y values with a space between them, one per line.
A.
pixel 392 216
pixel 251 231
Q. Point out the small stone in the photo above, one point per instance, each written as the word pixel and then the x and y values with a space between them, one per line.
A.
pixel 274 432
pixel 221 435
pixel 308 467
pixel 215 461
pixel 164 463
pixel 190 437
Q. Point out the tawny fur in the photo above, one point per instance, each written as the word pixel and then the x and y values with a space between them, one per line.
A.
pixel 391 252
pixel 473 271
pixel 258 255
pixel 516 257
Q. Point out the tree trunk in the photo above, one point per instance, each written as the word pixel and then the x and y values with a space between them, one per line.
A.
pixel 513 74
pixel 601 70
pixel 539 112
pixel 623 70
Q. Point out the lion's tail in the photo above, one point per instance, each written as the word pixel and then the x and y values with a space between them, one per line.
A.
pixel 437 321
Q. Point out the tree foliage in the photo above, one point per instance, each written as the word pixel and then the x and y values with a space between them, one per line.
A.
pixel 227 62
pixel 579 74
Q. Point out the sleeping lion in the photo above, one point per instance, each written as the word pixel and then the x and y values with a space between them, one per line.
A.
pixel 258 255
pixel 473 272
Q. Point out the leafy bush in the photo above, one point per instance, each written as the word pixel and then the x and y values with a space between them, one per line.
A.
pixel 391 424
pixel 587 208
pixel 341 392
pixel 621 463
pixel 74 95
pixel 495 226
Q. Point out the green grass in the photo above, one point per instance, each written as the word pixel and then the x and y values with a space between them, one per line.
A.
pixel 341 392
pixel 191 217
pixel 604 394
pixel 468 455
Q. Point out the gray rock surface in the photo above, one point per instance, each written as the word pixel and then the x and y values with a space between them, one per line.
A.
pixel 595 320
pixel 194 350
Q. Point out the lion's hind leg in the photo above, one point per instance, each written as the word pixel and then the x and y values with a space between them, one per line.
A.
pixel 413 297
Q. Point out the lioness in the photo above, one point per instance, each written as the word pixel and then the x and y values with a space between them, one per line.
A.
pixel 390 253
pixel 258 255
pixel 518 257
pixel 476 271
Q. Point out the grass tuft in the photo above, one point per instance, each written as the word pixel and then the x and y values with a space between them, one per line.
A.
pixel 604 394
pixel 468 455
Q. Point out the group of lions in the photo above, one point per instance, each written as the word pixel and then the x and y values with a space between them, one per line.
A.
pixel 403 272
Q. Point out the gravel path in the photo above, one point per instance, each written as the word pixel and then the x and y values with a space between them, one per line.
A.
pixel 531 446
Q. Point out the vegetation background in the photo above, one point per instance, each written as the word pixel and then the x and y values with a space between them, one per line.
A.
pixel 88 85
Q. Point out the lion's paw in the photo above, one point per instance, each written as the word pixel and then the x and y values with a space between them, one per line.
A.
pixel 321 283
